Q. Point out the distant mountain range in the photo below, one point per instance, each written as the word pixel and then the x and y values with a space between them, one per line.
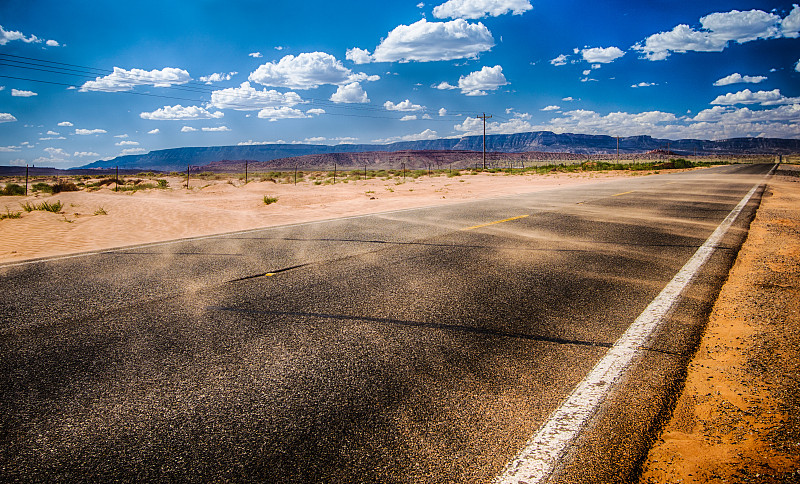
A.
pixel 177 159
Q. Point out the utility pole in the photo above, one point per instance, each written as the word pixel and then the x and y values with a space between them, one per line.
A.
pixel 484 118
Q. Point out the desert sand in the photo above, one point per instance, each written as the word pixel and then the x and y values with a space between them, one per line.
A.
pixel 104 219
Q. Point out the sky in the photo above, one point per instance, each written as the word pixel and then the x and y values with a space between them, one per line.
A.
pixel 87 80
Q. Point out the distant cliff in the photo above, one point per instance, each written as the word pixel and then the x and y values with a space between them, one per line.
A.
pixel 177 159
pixel 413 159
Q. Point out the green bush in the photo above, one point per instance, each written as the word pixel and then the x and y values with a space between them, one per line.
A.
pixel 682 163
pixel 10 214
pixel 269 200
pixel 42 187
pixel 136 187
pixel 54 207
pixel 12 189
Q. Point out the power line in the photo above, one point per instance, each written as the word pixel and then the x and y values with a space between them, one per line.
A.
pixel 91 73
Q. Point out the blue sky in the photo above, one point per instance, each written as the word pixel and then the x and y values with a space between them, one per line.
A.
pixel 89 80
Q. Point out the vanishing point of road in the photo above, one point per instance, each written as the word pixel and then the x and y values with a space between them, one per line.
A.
pixel 424 345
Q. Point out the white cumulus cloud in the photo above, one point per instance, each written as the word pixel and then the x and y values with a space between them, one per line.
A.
pixel 737 78
pixel 428 134
pixel 216 129
pixel 474 126
pixel 602 55
pixel 84 154
pixel 255 55
pixel 56 152
pixel 154 131
pixel 188 129
pixel 474 9
pixel 350 93
pixel 742 27
pixel 19 93
pixel 746 96
pixel 478 82
pixel 445 85
pixel 409 117
pixel 283 112
pixel 551 108
pixel 644 84
pixel 425 41
pixel 127 143
pixel 126 80
pixel 308 70
pixel 402 106
pixel 217 77
pixel 718 29
pixel 65 123
pixel 559 61
pixel 7 36
pixel 790 26
pixel 247 98
pixel 358 56
pixel 178 112
pixel 442 112
pixel 84 132
pixel 132 151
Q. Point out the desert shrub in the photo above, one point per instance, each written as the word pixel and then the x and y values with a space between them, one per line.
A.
pixel 42 187
pixel 12 189
pixel 54 207
pixel 107 181
pixel 65 186
pixel 162 183
pixel 682 163
pixel 269 200
pixel 10 214
pixel 136 187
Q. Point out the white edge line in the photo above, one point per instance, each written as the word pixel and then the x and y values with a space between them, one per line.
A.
pixel 543 451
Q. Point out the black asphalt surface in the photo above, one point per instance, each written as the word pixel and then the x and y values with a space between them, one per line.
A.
pixel 413 346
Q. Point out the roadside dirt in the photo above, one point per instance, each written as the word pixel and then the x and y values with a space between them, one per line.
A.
pixel 738 418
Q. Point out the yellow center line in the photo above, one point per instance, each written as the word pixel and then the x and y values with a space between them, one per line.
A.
pixel 495 222
pixel 623 193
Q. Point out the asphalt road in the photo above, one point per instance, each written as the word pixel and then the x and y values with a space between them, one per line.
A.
pixel 422 345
